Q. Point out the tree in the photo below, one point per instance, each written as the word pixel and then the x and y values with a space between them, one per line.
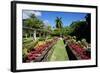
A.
pixel 59 25
pixel 56 32
pixel 66 30
pixel 88 27
pixel 58 22
pixel 82 29
pixel 33 22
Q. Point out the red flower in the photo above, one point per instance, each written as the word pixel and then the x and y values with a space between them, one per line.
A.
pixel 79 51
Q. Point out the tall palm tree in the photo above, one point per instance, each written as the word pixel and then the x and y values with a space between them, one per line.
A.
pixel 58 22
pixel 59 25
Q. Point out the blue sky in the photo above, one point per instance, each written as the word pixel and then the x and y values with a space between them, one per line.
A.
pixel 49 17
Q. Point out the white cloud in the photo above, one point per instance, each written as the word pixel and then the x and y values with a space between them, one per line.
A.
pixel 46 22
pixel 27 13
pixel 37 13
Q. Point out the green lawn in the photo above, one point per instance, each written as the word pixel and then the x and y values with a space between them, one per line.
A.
pixel 59 53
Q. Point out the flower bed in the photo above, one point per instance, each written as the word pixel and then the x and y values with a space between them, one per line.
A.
pixel 79 51
pixel 38 52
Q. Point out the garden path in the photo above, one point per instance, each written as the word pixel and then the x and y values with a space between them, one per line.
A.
pixel 59 53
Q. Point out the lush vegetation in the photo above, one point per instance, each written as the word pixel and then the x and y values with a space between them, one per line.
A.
pixel 39 39
pixel 80 29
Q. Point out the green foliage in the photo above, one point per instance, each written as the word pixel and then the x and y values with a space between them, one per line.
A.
pixel 41 39
pixel 30 45
pixel 33 22
pixel 28 40
pixel 66 30
pixel 56 32
pixel 58 23
pixel 49 37
pixel 81 29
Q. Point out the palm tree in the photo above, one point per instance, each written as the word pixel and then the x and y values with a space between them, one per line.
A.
pixel 58 22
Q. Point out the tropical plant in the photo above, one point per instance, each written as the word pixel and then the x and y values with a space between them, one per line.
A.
pixel 58 22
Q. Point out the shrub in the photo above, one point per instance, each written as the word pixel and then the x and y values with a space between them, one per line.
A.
pixel 41 39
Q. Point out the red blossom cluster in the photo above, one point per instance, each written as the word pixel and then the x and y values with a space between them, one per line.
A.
pixel 39 50
pixel 79 51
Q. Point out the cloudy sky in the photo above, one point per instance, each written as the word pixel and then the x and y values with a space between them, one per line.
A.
pixel 48 17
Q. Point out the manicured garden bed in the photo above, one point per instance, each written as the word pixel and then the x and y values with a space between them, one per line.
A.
pixel 78 50
pixel 38 52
